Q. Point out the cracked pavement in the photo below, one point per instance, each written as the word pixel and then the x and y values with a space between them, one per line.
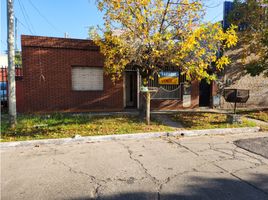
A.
pixel 207 167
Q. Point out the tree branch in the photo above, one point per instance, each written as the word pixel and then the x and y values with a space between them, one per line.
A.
pixel 164 16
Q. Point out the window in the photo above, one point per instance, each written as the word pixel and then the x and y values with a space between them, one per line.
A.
pixel 87 78
pixel 164 88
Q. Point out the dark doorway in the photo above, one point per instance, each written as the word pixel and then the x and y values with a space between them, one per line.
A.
pixel 204 93
pixel 131 89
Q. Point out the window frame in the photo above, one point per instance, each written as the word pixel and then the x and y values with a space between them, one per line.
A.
pixel 87 67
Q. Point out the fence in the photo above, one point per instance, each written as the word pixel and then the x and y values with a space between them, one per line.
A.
pixel 4 81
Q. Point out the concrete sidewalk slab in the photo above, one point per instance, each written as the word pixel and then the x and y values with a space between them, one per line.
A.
pixel 166 120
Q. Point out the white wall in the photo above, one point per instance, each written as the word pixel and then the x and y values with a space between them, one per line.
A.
pixel 3 60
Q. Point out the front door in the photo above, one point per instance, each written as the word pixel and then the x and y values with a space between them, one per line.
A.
pixel 204 93
pixel 131 89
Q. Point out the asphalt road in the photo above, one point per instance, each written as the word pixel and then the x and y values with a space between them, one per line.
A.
pixel 255 145
pixel 201 168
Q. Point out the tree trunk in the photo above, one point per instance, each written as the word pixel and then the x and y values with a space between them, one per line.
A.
pixel 148 101
pixel 11 65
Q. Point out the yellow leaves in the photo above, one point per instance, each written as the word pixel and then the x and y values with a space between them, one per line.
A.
pixel 201 52
pixel 144 2
pixel 221 62
pixel 214 57
pixel 156 52
pixel 144 41
pixel 100 5
pixel 189 43
pixel 145 82
pixel 116 4
pixel 231 36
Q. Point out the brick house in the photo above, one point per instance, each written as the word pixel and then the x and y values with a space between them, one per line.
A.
pixel 62 74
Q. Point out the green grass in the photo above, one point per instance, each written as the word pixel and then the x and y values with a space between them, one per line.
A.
pixel 260 115
pixel 208 121
pixel 31 127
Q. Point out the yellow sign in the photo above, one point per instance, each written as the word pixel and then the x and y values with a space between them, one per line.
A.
pixel 168 80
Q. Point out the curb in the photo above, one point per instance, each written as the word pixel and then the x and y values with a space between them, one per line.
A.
pixel 218 131
pixel 187 133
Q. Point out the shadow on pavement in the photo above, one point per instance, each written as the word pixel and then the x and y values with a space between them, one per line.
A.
pixel 196 188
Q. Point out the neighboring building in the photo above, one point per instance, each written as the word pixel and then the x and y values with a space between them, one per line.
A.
pixel 4 83
pixel 3 75
pixel 227 8
pixel 3 60
pixel 235 75
pixel 63 74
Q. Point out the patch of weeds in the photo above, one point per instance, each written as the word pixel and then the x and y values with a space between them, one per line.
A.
pixel 66 125
pixel 208 121
pixel 259 115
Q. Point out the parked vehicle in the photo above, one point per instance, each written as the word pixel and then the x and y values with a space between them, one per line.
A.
pixel 3 92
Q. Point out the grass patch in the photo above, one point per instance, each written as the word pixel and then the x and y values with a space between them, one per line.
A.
pixel 31 127
pixel 208 121
pixel 260 115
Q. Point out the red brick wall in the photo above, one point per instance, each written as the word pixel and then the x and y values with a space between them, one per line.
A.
pixel 47 84
pixel 19 94
pixel 47 81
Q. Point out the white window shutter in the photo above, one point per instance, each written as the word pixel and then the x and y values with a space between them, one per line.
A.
pixel 87 78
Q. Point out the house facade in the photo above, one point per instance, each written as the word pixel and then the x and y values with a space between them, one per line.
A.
pixel 67 75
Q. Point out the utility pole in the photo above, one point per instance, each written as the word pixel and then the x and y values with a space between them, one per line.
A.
pixel 16 35
pixel 11 65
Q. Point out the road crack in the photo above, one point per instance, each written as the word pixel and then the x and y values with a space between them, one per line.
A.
pixel 92 178
pixel 154 179
pixel 179 144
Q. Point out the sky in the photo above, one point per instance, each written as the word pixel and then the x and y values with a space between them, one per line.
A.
pixel 54 18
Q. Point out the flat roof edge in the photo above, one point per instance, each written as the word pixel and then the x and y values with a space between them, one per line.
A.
pixel 56 42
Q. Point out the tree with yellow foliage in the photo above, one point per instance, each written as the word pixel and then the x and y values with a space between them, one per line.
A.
pixel 153 34
pixel 252 18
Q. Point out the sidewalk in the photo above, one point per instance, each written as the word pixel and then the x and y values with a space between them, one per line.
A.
pixel 166 120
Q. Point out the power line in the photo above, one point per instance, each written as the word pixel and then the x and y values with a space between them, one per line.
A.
pixel 44 17
pixel 28 17
pixel 24 16
pixel 213 6
pixel 23 25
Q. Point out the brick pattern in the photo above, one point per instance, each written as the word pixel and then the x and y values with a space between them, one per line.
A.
pixel 258 91
pixel 47 85
pixel 236 74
